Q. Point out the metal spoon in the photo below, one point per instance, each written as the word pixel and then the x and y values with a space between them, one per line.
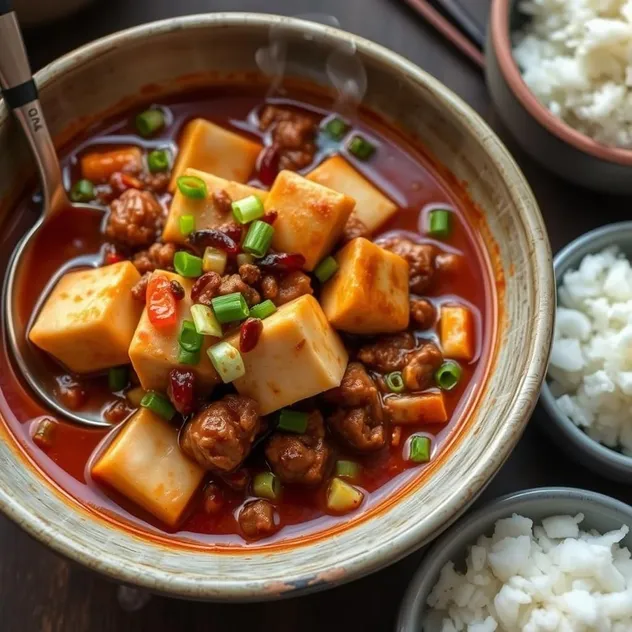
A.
pixel 20 94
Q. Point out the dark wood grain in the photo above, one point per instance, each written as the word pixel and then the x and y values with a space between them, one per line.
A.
pixel 41 592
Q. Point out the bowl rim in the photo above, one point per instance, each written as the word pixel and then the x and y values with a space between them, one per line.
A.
pixel 522 402
pixel 501 45
pixel 597 452
pixel 469 528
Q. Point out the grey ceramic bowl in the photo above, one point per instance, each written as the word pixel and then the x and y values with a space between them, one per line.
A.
pixel 577 444
pixel 601 512
pixel 550 141
pixel 191 52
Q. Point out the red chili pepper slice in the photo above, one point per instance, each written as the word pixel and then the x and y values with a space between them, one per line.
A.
pixel 249 334
pixel 161 303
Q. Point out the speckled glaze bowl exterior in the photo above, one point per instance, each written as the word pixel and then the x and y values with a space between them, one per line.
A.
pixel 549 140
pixel 601 512
pixel 576 443
pixel 112 72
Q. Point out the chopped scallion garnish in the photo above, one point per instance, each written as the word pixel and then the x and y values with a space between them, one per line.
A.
pixel 258 238
pixel 326 269
pixel 336 128
pixel 292 421
pixel 243 258
pixel 192 187
pixel 158 404
pixel 187 224
pixel 420 448
pixel 395 382
pixel 227 362
pixel 230 308
pixel 189 338
pixel 448 375
pixel 82 191
pixel 263 310
pixel 347 469
pixel 248 209
pixel 205 321
pixel 189 357
pixel 150 121
pixel 158 160
pixel 342 497
pixel 118 378
pixel 186 264
pixel 266 485
pixel 439 223
pixel 214 260
pixel 360 147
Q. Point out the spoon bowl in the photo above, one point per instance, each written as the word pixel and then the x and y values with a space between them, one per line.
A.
pixel 59 221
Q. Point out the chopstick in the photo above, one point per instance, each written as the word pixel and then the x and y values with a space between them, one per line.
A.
pixel 464 20
pixel 448 30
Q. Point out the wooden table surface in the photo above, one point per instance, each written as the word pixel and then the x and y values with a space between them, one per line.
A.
pixel 41 592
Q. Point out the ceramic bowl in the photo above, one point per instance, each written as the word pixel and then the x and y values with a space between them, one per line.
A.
pixel 195 50
pixel 601 512
pixel 576 443
pixel 549 140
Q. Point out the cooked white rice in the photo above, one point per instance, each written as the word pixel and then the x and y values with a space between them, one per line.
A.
pixel 548 578
pixel 590 369
pixel 576 57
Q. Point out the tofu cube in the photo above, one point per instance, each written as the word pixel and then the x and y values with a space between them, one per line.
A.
pixel 311 217
pixel 372 207
pixel 209 147
pixel 154 352
pixel 369 292
pixel 88 321
pixel 145 464
pixel 457 332
pixel 206 212
pixel 298 355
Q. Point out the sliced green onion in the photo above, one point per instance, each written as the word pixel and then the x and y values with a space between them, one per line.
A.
pixel 214 260
pixel 192 187
pixel 150 121
pixel 230 307
pixel 205 321
pixel 187 224
pixel 158 404
pixel 243 259
pixel 448 375
pixel 326 269
pixel 263 310
pixel 342 497
pixel 395 382
pixel 258 238
pixel 118 378
pixel 439 223
pixel 248 209
pixel 158 160
pixel 266 485
pixel 135 395
pixel 420 449
pixel 82 191
pixel 293 421
pixel 186 264
pixel 360 147
pixel 189 357
pixel 227 362
pixel 336 128
pixel 189 339
pixel 347 469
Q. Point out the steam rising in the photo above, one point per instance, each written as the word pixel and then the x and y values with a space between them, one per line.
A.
pixel 343 69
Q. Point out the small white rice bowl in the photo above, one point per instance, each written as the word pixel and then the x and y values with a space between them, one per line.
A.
pixel 590 370
pixel 547 578
pixel 576 57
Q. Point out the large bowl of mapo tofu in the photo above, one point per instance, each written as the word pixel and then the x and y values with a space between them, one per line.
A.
pixel 316 327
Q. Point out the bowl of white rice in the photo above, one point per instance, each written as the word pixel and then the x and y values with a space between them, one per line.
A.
pixel 543 560
pixel 560 74
pixel 588 391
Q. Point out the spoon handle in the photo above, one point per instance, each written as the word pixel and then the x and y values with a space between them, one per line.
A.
pixel 20 95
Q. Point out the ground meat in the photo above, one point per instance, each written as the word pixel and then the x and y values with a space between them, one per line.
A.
pixel 70 392
pixel 354 228
pixel 292 286
pixel 387 353
pixel 139 291
pixel 156 182
pixel 206 288
pixel 158 257
pixel 422 313
pixel 448 262
pixel 135 219
pixel 269 287
pixel 249 273
pixel 213 499
pixel 234 283
pixel 117 411
pixel 420 258
pixel 258 519
pixel 420 367
pixel 300 459
pixel 220 436
pixel 222 201
pixel 358 420
pixel 293 136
